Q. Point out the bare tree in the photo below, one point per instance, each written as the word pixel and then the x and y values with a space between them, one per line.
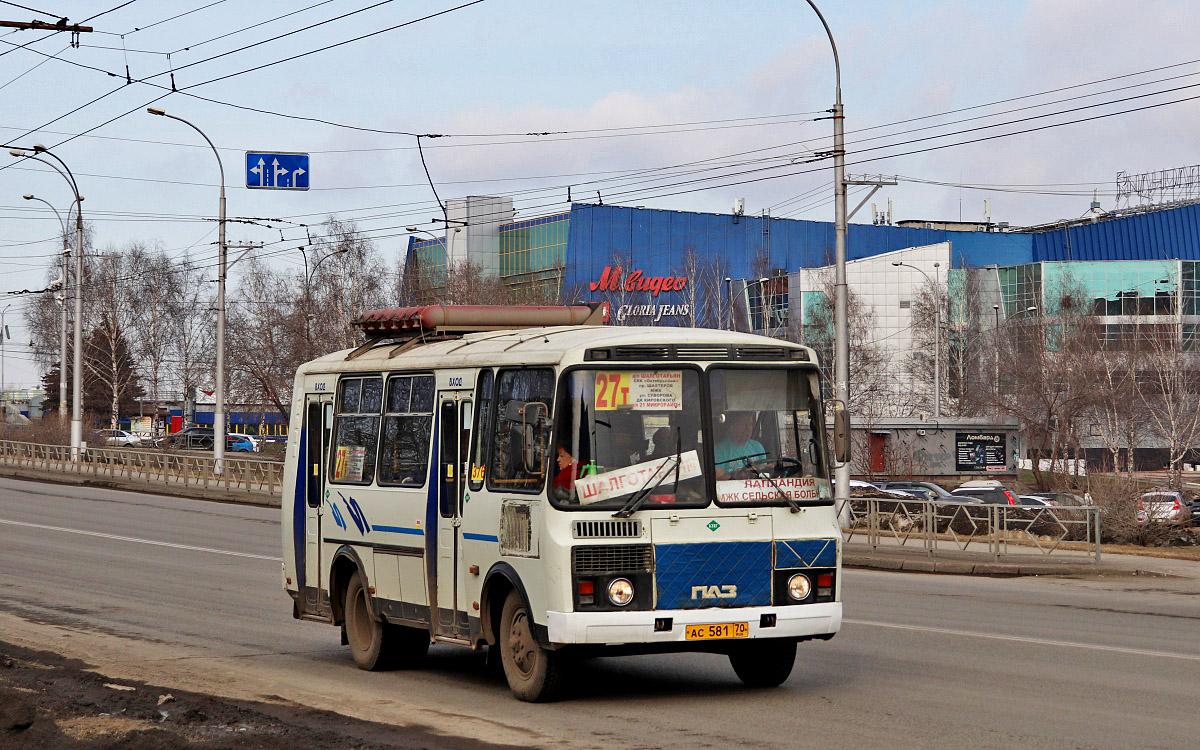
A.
pixel 192 331
pixel 113 284
pixel 467 284
pixel 158 286
pixel 264 342
pixel 1043 357
pixel 871 390
pixel 1170 390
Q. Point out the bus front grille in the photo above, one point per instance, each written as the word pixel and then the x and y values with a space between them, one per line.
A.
pixel 612 558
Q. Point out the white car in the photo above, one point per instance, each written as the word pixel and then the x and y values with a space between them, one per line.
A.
pixel 119 438
pixel 1163 506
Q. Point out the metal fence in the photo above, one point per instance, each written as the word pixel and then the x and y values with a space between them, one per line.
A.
pixel 153 468
pixel 998 530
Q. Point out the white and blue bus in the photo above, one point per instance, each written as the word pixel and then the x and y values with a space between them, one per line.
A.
pixel 529 481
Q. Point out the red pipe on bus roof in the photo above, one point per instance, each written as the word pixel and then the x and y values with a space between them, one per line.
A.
pixel 430 317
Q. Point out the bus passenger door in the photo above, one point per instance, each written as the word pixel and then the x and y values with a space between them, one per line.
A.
pixel 454 416
pixel 318 421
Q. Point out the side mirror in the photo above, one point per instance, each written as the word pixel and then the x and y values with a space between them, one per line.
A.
pixel 841 432
pixel 534 420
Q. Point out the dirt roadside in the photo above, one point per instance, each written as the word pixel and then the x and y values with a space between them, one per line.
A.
pixel 92 691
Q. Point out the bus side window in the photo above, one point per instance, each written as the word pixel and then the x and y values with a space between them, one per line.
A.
pixel 407 422
pixel 356 431
pixel 483 416
pixel 519 449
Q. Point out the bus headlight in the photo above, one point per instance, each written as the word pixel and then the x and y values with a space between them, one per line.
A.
pixel 620 592
pixel 799 587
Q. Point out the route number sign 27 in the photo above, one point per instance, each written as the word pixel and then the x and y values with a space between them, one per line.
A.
pixel 640 390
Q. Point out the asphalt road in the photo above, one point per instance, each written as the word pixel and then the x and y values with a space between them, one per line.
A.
pixel 192 588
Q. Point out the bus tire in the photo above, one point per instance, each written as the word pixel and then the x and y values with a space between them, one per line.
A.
pixel 534 674
pixel 766 663
pixel 364 634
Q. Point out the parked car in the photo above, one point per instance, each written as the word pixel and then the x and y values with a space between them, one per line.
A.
pixel 118 438
pixel 1035 500
pixel 991 495
pixel 238 443
pixel 189 438
pixel 1063 499
pixel 927 490
pixel 1166 506
pixel 861 485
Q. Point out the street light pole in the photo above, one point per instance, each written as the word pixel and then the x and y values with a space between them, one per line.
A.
pixel 841 355
pixel 308 277
pixel 77 364
pixel 763 305
pixel 3 389
pixel 62 333
pixel 219 408
pixel 937 337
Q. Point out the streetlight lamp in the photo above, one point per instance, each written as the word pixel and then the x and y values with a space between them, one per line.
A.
pixel 841 356
pixel 937 336
pixel 219 408
pixel 62 335
pixel 77 363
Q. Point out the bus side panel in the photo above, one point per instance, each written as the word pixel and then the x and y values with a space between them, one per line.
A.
pixel 292 506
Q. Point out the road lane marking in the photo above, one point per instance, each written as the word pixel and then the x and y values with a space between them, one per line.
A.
pixel 1026 639
pixel 136 540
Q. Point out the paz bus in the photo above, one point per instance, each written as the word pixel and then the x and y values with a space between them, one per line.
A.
pixel 529 481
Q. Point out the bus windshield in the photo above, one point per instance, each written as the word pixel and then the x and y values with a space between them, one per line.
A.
pixel 625 432
pixel 768 436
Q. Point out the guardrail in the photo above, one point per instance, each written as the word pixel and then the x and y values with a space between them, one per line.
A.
pixel 153 468
pixel 1002 529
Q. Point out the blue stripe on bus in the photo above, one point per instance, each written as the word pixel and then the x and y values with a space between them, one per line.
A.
pixel 481 537
pixel 398 530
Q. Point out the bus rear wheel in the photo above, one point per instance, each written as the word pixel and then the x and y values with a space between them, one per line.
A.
pixel 766 663
pixel 377 645
pixel 534 674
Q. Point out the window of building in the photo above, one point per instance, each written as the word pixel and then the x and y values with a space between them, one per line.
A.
pixel 522 435
pixel 407 423
pixel 356 430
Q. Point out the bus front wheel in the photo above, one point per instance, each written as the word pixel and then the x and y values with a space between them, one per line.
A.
pixel 377 645
pixel 534 674
pixel 766 663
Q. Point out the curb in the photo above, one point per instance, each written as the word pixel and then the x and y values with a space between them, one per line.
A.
pixel 195 493
pixel 992 569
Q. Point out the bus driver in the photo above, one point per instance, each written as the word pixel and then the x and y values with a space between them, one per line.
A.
pixel 736 445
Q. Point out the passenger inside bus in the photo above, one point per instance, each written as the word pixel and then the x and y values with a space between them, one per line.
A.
pixel 564 479
pixel 736 445
pixel 664 442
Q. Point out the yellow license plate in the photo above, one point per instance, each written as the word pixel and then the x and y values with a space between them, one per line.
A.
pixel 717 630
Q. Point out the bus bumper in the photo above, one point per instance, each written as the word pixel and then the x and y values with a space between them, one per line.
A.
pixel 639 627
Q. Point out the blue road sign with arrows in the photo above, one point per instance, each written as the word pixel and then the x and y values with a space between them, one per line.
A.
pixel 276 171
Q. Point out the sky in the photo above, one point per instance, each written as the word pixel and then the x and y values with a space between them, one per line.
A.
pixel 669 104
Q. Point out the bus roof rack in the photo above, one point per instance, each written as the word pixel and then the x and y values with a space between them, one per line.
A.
pixel 414 325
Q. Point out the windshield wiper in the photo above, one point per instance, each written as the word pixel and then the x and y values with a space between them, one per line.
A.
pixel 644 491
pixel 786 497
